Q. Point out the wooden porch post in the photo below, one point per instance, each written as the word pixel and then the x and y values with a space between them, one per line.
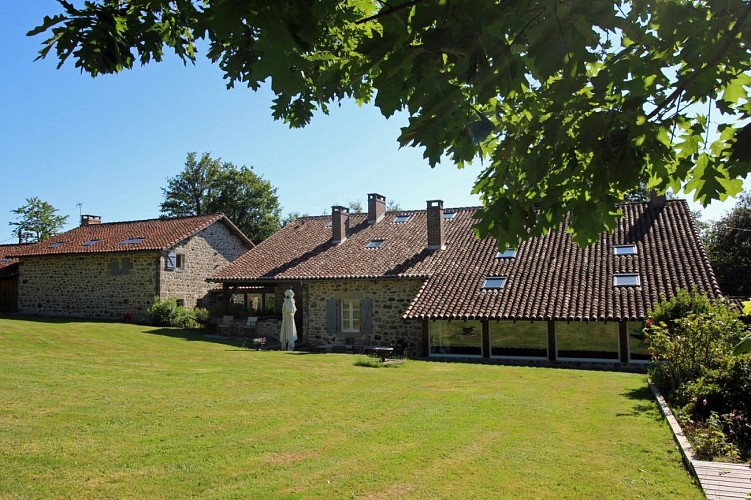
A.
pixel 623 341
pixel 486 338
pixel 425 338
pixel 551 341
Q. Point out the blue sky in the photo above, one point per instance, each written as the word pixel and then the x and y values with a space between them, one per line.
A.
pixel 111 142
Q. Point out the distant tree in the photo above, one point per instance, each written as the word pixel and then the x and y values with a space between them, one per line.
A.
pixel 392 206
pixel 292 217
pixel 728 245
pixel 355 207
pixel 209 185
pixel 37 221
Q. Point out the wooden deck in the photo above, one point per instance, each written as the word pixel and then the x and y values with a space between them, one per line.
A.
pixel 719 480
pixel 722 480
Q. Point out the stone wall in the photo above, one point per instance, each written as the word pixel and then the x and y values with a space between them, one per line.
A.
pixel 390 297
pixel 111 285
pixel 88 286
pixel 202 255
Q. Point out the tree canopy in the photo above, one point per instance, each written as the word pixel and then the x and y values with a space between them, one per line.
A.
pixel 207 185
pixel 568 105
pixel 728 242
pixel 37 221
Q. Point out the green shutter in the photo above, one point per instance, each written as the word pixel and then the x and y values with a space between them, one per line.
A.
pixel 332 315
pixel 366 315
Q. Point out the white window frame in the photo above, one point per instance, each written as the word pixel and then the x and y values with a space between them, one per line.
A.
pixel 402 218
pixel 626 276
pixel 509 253
pixel 629 249
pixel 488 279
pixel 179 261
pixel 347 310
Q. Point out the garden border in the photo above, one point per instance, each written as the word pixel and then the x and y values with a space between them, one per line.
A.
pixel 718 480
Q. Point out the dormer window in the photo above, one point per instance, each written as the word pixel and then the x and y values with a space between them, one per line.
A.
pixel 132 241
pixel 56 244
pixel 510 253
pixel 626 279
pixel 494 283
pixel 624 250
pixel 91 242
pixel 375 244
pixel 401 219
pixel 449 215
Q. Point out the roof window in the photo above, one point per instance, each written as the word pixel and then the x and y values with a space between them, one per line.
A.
pixel 56 244
pixel 91 242
pixel 400 219
pixel 375 244
pixel 510 253
pixel 449 215
pixel 494 283
pixel 624 250
pixel 132 241
pixel 626 279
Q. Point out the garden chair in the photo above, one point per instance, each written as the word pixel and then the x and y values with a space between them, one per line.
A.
pixel 249 328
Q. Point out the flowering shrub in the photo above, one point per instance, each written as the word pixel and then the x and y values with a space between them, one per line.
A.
pixel 694 366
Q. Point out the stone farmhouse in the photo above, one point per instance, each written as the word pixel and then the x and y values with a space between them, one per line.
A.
pixel 114 270
pixel 422 279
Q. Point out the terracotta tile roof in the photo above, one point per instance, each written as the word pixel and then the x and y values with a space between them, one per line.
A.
pixel 737 303
pixel 550 277
pixel 157 234
pixel 8 266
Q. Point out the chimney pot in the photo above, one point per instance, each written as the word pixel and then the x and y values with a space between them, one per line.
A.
pixel 436 235
pixel 376 207
pixel 90 220
pixel 339 223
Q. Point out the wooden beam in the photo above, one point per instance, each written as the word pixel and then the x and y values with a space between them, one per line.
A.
pixel 486 338
pixel 551 341
pixel 623 341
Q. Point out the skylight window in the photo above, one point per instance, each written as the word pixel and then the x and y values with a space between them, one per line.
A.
pixel 626 279
pixel 624 250
pixel 494 283
pixel 375 244
pixel 132 241
pixel 56 244
pixel 449 215
pixel 91 242
pixel 510 253
pixel 400 219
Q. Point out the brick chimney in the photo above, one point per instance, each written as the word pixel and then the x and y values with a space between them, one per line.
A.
pixel 436 236
pixel 339 223
pixel 376 207
pixel 90 220
pixel 657 200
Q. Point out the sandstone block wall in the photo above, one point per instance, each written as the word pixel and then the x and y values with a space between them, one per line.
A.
pixel 88 286
pixel 203 254
pixel 390 301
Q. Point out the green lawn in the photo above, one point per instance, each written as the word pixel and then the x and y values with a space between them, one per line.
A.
pixel 113 410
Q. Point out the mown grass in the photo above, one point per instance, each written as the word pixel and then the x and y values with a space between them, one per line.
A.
pixel 114 410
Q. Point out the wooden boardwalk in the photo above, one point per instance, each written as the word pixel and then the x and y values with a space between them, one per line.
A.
pixel 719 480
pixel 722 480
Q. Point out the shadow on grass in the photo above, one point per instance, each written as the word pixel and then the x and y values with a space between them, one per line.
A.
pixel 644 403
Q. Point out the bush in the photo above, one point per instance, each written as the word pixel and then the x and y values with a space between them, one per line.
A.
pixel 694 366
pixel 202 316
pixel 167 313
pixel 696 343
pixel 678 307
pixel 709 440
